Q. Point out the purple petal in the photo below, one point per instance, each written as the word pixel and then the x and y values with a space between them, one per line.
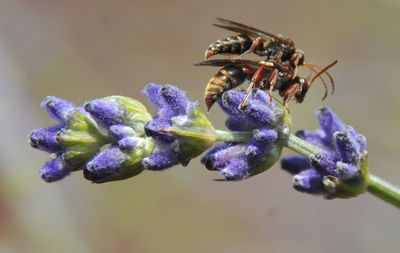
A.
pixel 347 171
pixel 265 136
pixel 223 157
pixel 237 125
pixel 106 112
pixel 325 163
pixel 258 114
pixel 316 138
pixel 121 131
pixel 175 99
pixel 109 161
pixel 57 108
pixel 360 139
pixel 347 148
pixel 127 143
pixel 309 181
pixel 151 91
pixel 54 170
pixel 206 158
pixel 329 122
pixel 295 164
pixel 46 139
pixel 161 160
pixel 153 129
pixel 261 96
pixel 230 102
pixel 236 170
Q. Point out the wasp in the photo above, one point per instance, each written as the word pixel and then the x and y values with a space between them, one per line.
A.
pixel 278 70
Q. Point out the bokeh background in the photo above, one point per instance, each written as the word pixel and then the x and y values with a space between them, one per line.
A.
pixel 80 50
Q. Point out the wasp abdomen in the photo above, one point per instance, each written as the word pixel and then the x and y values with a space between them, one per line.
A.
pixel 231 45
pixel 227 78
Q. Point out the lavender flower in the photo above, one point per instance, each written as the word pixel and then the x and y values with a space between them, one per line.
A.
pixel 180 130
pixel 270 124
pixel 76 141
pixel 341 171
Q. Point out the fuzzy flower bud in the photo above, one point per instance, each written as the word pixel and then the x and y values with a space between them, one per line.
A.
pixel 341 171
pixel 181 131
pixel 76 141
pixel 269 123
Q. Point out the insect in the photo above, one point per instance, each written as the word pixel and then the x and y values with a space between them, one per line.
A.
pixel 278 70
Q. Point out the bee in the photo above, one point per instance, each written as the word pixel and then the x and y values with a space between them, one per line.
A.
pixel 278 70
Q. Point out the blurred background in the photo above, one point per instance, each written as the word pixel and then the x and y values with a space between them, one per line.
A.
pixel 80 50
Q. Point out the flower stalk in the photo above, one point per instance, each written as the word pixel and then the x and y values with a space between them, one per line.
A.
pixel 333 161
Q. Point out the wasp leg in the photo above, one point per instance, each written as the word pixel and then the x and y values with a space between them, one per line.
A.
pixel 278 56
pixel 296 59
pixel 270 83
pixel 257 43
pixel 255 82
pixel 289 93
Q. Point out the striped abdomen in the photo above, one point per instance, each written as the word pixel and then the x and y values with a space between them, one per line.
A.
pixel 231 45
pixel 227 78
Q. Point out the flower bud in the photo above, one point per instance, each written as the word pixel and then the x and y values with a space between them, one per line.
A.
pixel 180 129
pixel 267 120
pixel 342 166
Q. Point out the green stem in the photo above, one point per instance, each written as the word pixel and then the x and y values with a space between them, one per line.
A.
pixel 233 136
pixel 302 147
pixel 384 190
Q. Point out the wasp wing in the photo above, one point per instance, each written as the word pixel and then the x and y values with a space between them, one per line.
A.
pixel 226 62
pixel 245 29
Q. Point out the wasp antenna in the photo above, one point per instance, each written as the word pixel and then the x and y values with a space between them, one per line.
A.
pixel 320 77
pixel 326 72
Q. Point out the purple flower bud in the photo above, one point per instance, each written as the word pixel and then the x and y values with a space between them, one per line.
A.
pixel 175 99
pixel 222 155
pixel 57 108
pixel 236 125
pixel 295 164
pixel 128 142
pixel 151 91
pixel 54 170
pixel 268 121
pixel 237 169
pixel 259 115
pixel 309 180
pixel 316 138
pixel 78 139
pixel 347 148
pixel 329 122
pixel 46 139
pixel 180 129
pixel 170 100
pixel 121 131
pixel 325 162
pixel 108 161
pixel 265 136
pixel 105 111
pixel 347 171
pixel 161 160
pixel 343 164
pixel 206 159
pixel 230 102
pixel 154 129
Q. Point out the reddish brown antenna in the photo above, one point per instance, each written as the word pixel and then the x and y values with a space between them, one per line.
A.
pixel 324 70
